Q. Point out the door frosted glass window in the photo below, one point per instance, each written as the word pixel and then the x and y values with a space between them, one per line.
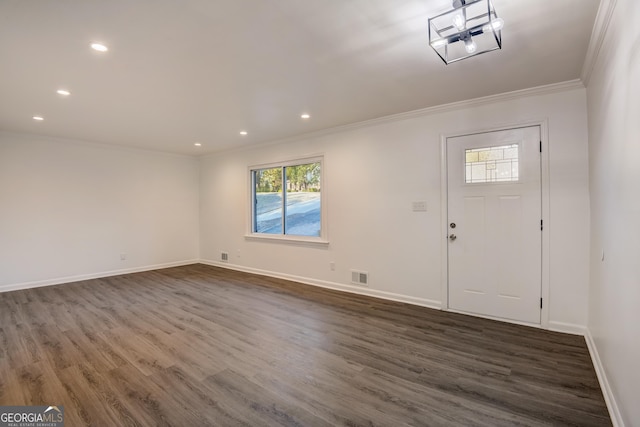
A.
pixel 492 164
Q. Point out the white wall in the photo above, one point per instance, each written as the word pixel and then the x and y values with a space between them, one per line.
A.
pixel 614 152
pixel 373 173
pixel 69 209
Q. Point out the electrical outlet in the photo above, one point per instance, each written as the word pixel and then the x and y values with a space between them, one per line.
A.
pixel 123 256
pixel 332 266
pixel 419 206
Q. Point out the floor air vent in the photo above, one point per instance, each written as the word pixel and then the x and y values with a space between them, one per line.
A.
pixel 360 278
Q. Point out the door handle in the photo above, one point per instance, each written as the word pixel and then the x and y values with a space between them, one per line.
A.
pixel 452 237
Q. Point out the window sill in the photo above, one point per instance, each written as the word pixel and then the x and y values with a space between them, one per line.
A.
pixel 288 240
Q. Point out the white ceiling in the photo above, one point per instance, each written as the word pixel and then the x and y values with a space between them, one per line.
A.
pixel 181 71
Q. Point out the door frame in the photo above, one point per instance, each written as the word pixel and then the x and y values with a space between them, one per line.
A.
pixel 545 191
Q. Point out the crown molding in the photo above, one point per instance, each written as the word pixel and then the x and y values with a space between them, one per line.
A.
pixel 89 143
pixel 600 26
pixel 438 109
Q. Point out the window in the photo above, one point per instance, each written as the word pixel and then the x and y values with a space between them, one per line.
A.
pixel 491 164
pixel 287 199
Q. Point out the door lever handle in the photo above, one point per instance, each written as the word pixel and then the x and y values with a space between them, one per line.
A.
pixel 452 237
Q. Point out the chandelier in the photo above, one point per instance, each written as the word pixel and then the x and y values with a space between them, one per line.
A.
pixel 469 29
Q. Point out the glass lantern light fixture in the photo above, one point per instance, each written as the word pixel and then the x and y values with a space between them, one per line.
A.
pixel 471 28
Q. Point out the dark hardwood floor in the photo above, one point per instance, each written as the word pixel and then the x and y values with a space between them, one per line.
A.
pixel 203 346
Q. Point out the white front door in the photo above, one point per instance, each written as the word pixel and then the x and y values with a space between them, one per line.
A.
pixel 494 224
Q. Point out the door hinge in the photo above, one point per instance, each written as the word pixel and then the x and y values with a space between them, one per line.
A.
pixel 540 303
pixel 541 224
pixel 541 146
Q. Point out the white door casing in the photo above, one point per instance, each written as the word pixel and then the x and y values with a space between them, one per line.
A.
pixel 495 250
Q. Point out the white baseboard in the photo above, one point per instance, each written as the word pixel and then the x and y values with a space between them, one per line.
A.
pixel 567 328
pixel 570 328
pixel 70 279
pixel 612 406
pixel 423 302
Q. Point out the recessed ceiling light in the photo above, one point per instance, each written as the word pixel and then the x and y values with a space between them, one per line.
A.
pixel 63 92
pixel 99 47
pixel 38 118
pixel 197 144
pixel 305 116
pixel 243 132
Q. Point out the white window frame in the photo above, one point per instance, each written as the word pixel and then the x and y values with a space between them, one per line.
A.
pixel 288 238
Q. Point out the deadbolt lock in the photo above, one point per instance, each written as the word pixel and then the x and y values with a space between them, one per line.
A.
pixel 452 225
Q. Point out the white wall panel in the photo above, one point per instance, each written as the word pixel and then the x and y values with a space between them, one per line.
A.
pixel 69 209
pixel 614 149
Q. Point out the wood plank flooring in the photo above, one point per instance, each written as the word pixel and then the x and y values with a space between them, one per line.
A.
pixel 203 346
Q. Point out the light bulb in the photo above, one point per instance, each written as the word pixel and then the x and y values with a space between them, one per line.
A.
pixel 438 43
pixel 459 21
pixel 470 45
pixel 495 25
pixel 99 47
